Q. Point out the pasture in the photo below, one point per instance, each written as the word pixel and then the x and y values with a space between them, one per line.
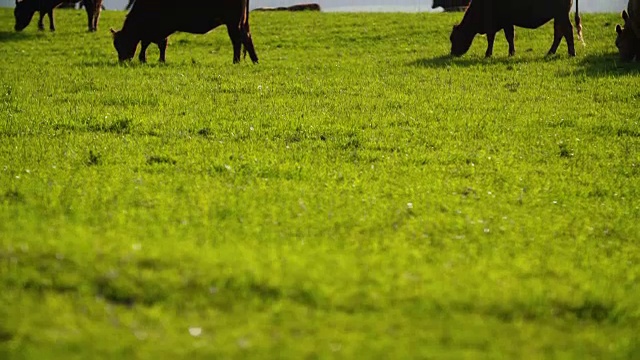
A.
pixel 357 194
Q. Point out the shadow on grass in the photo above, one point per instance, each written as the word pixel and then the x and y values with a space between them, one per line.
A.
pixel 8 36
pixel 113 62
pixel 31 34
pixel 448 60
pixel 605 65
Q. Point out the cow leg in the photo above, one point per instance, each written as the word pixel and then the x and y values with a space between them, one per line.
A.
pixel 52 25
pixel 236 40
pixel 41 21
pixel 491 37
pixel 248 45
pixel 89 7
pixel 557 37
pixel 96 14
pixel 568 36
pixel 510 34
pixel 162 45
pixel 143 51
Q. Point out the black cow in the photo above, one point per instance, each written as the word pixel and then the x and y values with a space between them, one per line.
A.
pixel 449 5
pixel 490 16
pixel 152 21
pixel 25 9
pixel 628 39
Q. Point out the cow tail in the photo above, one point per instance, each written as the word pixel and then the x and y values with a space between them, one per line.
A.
pixel 579 23
pixel 244 19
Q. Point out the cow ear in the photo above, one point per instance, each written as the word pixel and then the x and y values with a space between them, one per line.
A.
pixel 625 15
pixel 619 29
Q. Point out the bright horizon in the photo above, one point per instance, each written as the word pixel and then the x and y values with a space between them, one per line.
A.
pixel 377 5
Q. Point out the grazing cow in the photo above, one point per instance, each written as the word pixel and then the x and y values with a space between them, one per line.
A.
pixel 628 39
pixel 449 5
pixel 490 16
pixel 25 9
pixel 152 21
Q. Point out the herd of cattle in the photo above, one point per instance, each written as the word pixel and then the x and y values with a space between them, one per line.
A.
pixel 153 21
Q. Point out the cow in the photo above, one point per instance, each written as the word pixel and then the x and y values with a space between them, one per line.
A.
pixel 490 16
pixel 449 5
pixel 628 39
pixel 25 9
pixel 152 21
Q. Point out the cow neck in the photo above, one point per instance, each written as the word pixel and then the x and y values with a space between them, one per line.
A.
pixel 472 19
pixel 633 10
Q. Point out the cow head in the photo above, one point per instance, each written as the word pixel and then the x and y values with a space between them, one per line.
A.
pixel 627 41
pixel 438 3
pixel 460 40
pixel 125 45
pixel 23 13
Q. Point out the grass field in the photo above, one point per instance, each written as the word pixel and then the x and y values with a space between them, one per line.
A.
pixel 358 194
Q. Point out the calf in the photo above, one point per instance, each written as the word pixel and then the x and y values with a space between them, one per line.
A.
pixel 152 21
pixel 628 39
pixel 490 16
pixel 25 9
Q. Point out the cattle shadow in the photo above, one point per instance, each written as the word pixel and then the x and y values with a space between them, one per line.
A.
pixel 444 61
pixel 112 61
pixel 605 65
pixel 10 36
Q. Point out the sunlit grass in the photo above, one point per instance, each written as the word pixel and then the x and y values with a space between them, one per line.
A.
pixel 357 194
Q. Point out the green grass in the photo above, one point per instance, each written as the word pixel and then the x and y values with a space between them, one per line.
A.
pixel 358 194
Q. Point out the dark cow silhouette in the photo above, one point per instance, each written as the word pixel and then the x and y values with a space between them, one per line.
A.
pixel 25 9
pixel 490 16
pixel 628 39
pixel 449 5
pixel 152 21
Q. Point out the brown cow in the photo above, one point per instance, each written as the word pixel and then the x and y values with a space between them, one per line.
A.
pixel 628 39
pixel 490 16
pixel 25 9
pixel 152 21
